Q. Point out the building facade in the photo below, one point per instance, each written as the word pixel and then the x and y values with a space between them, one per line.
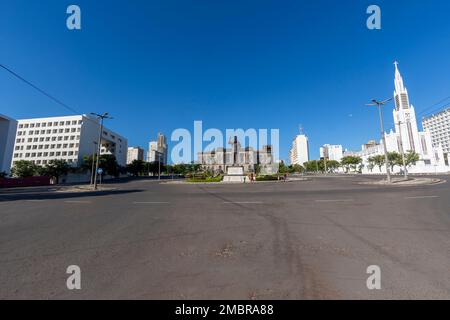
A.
pixel 8 129
pixel 406 137
pixel 158 150
pixel 250 159
pixel 439 127
pixel 332 152
pixel 68 138
pixel 299 153
pixel 135 153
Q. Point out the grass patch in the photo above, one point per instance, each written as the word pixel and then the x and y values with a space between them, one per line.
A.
pixel 205 180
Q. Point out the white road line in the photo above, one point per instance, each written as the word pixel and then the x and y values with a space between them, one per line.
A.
pixel 243 202
pixel 422 197
pixel 150 202
pixel 34 200
pixel 78 201
pixel 336 200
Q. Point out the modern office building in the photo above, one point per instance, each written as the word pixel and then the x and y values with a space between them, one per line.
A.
pixel 157 150
pixel 135 153
pixel 8 129
pixel 299 153
pixel 439 127
pixel 68 138
pixel 406 137
pixel 332 152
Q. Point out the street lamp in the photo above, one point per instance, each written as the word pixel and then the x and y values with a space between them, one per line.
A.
pixel 402 150
pixel 102 117
pixel 93 163
pixel 386 159
pixel 159 163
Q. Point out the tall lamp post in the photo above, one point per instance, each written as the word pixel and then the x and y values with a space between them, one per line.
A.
pixel 93 163
pixel 402 151
pixel 159 164
pixel 101 117
pixel 379 104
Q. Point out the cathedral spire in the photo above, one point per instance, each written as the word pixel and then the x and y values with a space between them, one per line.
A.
pixel 400 93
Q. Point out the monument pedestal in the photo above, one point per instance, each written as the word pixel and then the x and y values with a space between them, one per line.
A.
pixel 235 174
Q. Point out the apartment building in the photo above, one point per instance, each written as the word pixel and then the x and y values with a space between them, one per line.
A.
pixel 439 127
pixel 68 138
pixel 135 153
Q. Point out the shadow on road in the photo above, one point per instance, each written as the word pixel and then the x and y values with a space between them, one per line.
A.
pixel 63 195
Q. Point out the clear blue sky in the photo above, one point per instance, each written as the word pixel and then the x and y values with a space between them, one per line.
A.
pixel 160 65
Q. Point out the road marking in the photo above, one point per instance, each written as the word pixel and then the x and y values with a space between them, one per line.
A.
pixel 336 200
pixel 243 202
pixel 150 202
pixel 422 197
pixel 78 201
pixel 35 200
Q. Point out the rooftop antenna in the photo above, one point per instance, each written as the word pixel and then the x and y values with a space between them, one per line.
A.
pixel 300 128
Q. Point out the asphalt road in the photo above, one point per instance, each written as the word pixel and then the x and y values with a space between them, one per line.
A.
pixel 298 240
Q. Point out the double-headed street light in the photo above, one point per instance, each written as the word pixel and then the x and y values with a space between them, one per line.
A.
pixel 383 136
pixel 101 117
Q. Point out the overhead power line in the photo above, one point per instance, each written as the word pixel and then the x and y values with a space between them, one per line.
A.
pixel 15 74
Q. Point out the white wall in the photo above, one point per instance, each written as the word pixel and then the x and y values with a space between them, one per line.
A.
pixel 8 129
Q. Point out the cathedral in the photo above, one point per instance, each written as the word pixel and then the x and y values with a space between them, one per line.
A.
pixel 407 137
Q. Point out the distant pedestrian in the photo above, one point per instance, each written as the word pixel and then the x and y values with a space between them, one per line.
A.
pixel 285 176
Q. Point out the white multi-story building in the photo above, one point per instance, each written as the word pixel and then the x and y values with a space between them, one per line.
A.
pixel 8 129
pixel 439 127
pixel 157 150
pixel 332 152
pixel 406 137
pixel 135 153
pixel 68 138
pixel 299 153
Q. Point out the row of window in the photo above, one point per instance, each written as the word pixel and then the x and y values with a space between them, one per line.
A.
pixel 47 139
pixel 48 146
pixel 45 154
pixel 70 161
pixel 50 124
pixel 54 131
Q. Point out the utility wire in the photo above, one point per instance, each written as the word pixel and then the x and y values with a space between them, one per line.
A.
pixel 39 89
pixel 430 109
pixel 15 74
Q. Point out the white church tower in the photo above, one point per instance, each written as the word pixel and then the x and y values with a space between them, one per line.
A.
pixel 405 118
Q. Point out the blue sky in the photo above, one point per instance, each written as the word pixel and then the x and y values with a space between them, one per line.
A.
pixel 160 65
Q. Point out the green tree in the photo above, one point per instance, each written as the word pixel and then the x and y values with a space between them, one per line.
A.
pixel 55 169
pixel 311 166
pixel 24 169
pixel 377 160
pixel 136 168
pixel 296 168
pixel 333 165
pixel 411 158
pixel 282 168
pixel 394 159
pixel 351 163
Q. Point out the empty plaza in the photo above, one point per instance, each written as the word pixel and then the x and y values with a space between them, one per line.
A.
pixel 302 239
